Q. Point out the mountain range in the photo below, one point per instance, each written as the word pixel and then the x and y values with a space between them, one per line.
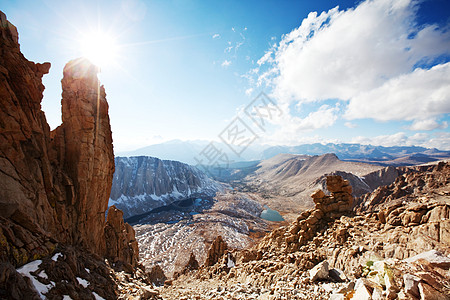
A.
pixel 286 181
pixel 189 152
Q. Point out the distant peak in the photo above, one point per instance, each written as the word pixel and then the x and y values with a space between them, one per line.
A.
pixel 329 156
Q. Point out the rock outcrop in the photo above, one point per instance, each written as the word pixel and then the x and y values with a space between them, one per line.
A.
pixel 216 251
pixel 327 208
pixel 54 185
pixel 156 275
pixel 84 150
pixel 143 183
pixel 121 244
pixel 192 264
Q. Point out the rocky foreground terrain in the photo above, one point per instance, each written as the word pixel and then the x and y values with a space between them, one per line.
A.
pixel 394 245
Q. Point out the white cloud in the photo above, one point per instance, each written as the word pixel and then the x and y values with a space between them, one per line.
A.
pixel 267 57
pixel 350 125
pixel 216 36
pixel 428 124
pixel 365 55
pixel 418 95
pixel 440 140
pixel 226 63
pixel 249 91
pixel 291 128
pixel 322 118
pixel 277 139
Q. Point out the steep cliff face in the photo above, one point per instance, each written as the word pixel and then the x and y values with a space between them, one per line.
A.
pixel 85 152
pixel 143 183
pixel 54 186
pixel 27 194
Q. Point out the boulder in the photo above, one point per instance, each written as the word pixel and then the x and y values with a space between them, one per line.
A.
pixel 192 264
pixel 435 258
pixel 337 275
pixel 319 272
pixel 411 285
pixel 429 293
pixel 156 275
pixel 362 292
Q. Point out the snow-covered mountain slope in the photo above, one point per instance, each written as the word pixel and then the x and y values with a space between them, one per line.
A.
pixel 143 183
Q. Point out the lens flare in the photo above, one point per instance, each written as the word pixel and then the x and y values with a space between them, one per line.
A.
pixel 100 48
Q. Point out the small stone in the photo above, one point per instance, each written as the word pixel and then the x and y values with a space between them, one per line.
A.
pixel 362 293
pixel 320 271
pixel 148 292
pixel 411 285
pixel 318 194
pixel 429 293
pixel 435 258
pixel 337 275
pixel 377 294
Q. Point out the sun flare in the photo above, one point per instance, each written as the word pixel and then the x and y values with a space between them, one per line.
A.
pixel 99 47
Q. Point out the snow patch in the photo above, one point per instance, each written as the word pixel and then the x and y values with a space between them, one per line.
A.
pixel 33 266
pixel 97 297
pixel 230 263
pixel 363 180
pixel 83 282
pixel 42 274
pixel 55 257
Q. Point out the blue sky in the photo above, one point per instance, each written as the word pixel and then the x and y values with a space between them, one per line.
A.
pixel 369 72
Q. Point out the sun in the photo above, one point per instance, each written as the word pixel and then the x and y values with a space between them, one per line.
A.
pixel 100 48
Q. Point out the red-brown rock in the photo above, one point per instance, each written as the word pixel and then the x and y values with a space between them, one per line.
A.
pixel 121 244
pixel 54 186
pixel 217 250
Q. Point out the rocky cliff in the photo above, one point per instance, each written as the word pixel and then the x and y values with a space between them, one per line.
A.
pixel 54 185
pixel 143 183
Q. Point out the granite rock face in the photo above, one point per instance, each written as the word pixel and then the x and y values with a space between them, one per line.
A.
pixel 54 185
pixel 142 183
